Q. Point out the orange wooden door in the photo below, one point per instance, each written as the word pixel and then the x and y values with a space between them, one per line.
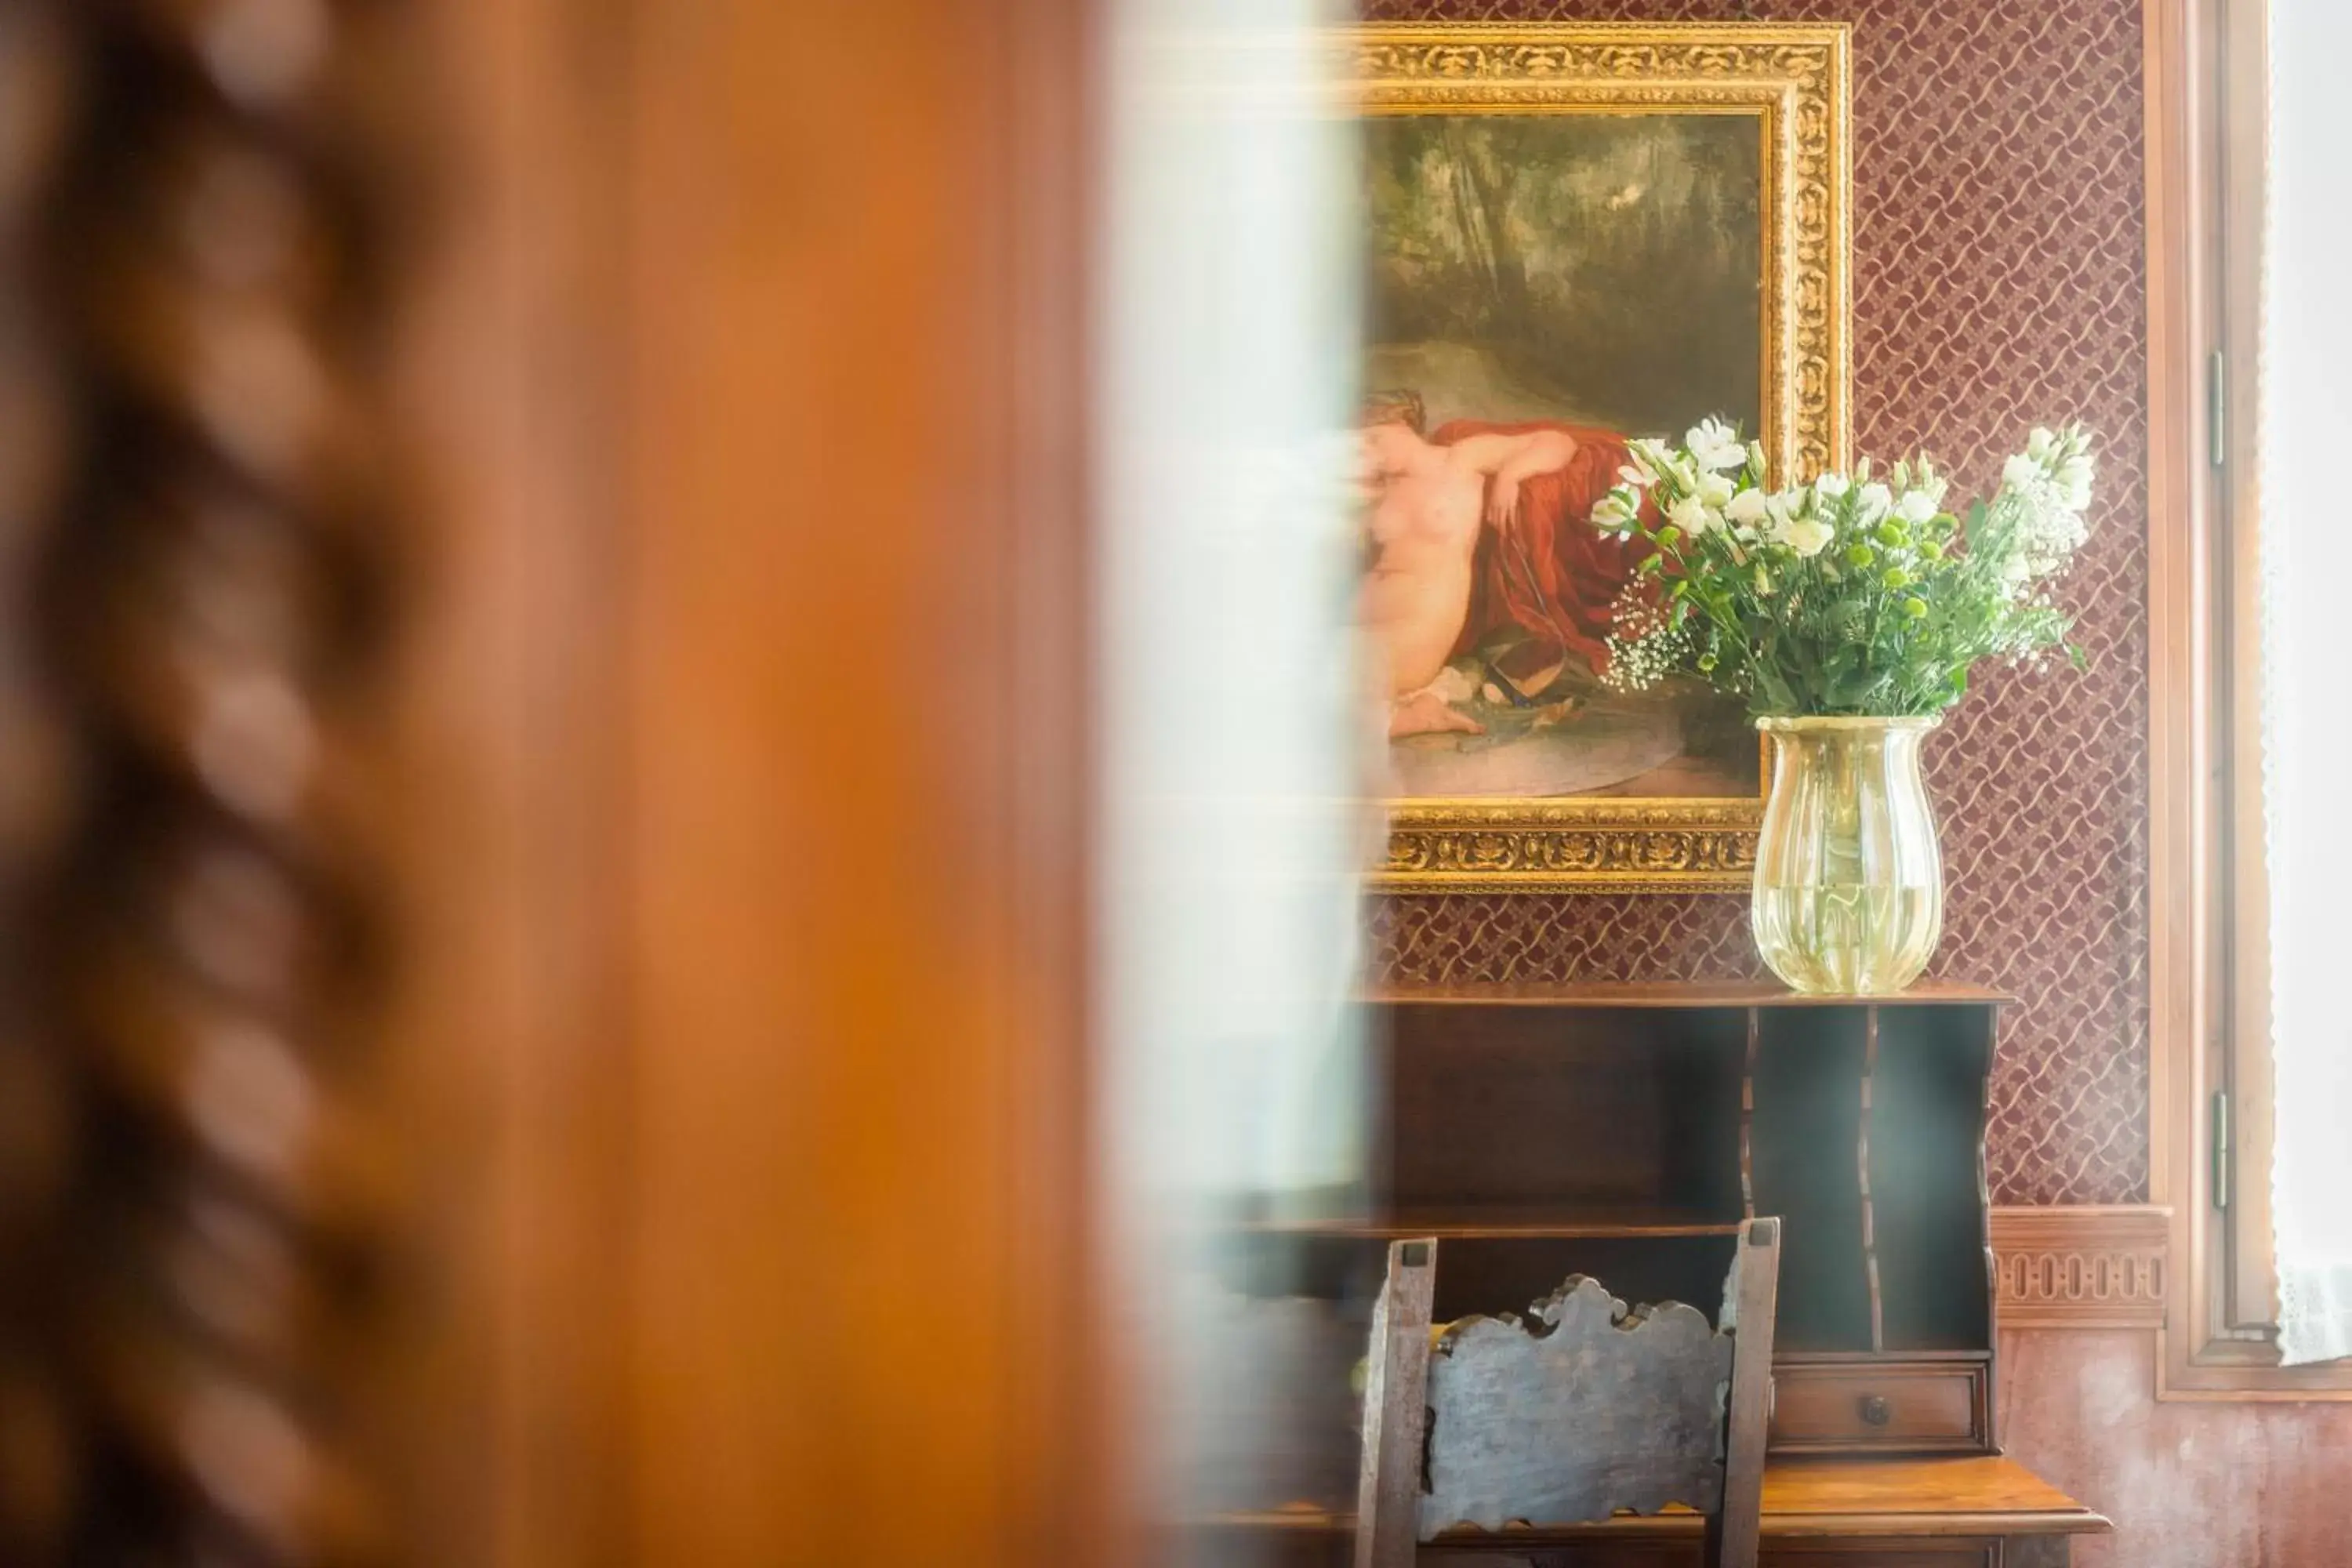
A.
pixel 754 797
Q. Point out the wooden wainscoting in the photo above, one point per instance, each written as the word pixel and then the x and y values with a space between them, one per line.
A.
pixel 2081 1266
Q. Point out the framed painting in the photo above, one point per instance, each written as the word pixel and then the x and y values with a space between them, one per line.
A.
pixel 1578 235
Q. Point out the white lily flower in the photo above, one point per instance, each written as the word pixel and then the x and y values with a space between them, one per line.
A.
pixel 1666 462
pixel 1876 501
pixel 1830 487
pixel 1612 514
pixel 1807 536
pixel 1636 475
pixel 1916 507
pixel 1715 489
pixel 1694 516
pixel 2073 477
pixel 1716 446
pixel 1749 508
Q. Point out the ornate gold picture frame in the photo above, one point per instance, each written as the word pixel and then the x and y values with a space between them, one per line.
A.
pixel 1451 114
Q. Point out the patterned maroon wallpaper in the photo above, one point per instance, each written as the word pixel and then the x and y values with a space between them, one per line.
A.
pixel 1999 282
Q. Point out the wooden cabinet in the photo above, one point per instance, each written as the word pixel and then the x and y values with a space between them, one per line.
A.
pixel 1648 1121
pixel 1625 1132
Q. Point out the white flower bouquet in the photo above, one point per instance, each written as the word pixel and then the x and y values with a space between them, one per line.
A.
pixel 1849 594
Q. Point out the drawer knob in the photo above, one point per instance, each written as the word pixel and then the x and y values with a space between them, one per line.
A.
pixel 1875 1410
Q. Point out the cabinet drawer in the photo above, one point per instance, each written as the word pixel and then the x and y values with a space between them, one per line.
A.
pixel 1915 1407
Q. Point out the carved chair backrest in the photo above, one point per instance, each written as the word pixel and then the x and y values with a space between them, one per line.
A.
pixel 1589 1410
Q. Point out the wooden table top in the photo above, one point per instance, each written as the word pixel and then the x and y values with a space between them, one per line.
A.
pixel 1858 1499
pixel 1676 994
pixel 1954 1496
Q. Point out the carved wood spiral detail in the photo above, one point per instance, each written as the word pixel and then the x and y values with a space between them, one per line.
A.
pixel 214 938
pixel 39 1472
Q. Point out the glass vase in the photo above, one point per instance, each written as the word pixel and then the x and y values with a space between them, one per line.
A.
pixel 1849 896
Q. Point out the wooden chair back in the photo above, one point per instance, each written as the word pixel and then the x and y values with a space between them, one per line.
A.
pixel 1590 1411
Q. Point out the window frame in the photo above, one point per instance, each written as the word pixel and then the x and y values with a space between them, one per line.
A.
pixel 2210 1080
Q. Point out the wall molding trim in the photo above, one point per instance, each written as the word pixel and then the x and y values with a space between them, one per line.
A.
pixel 2082 1266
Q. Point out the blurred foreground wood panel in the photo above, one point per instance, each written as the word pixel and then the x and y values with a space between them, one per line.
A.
pixel 544 785
pixel 748 795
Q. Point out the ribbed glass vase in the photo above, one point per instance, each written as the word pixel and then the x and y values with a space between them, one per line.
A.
pixel 1849 895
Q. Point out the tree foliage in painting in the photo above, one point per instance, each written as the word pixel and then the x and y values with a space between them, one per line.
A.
pixel 1610 264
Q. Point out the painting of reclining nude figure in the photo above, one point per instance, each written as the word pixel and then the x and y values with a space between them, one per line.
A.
pixel 1542 287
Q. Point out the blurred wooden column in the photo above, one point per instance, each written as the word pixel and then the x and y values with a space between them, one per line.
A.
pixel 744 1045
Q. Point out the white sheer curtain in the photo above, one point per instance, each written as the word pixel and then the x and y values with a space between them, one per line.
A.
pixel 2307 695
pixel 1231 716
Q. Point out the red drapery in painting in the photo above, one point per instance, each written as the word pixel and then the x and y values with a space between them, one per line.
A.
pixel 1550 576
